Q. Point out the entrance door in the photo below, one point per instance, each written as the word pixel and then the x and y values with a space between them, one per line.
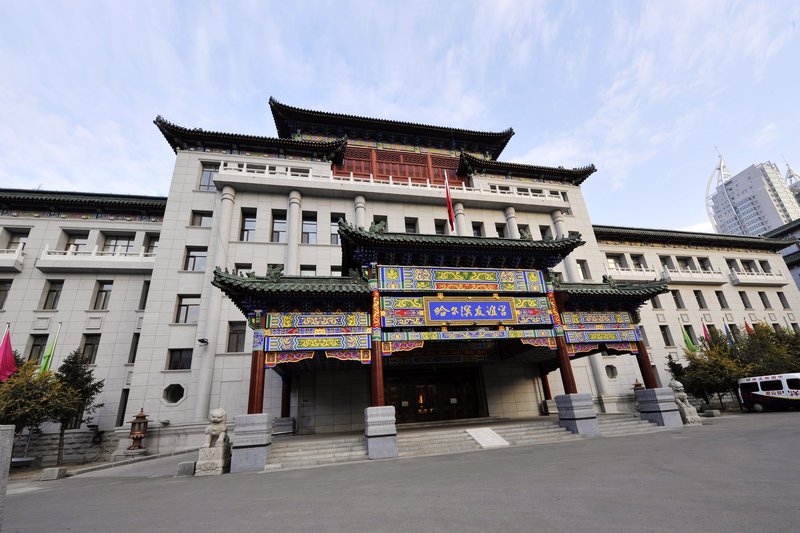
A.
pixel 433 394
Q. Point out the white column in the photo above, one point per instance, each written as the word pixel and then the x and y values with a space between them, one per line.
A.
pixel 599 373
pixel 512 230
pixel 214 300
pixel 294 221
pixel 570 266
pixel 361 211
pixel 461 222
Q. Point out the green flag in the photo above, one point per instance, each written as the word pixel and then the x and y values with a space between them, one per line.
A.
pixel 47 358
pixel 689 344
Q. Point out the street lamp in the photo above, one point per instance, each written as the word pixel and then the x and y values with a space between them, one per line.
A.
pixel 138 430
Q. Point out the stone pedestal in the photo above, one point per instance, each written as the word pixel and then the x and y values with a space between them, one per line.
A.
pixel 251 444
pixel 6 445
pixel 576 413
pixel 213 461
pixel 380 432
pixel 52 474
pixel 658 406
pixel 282 426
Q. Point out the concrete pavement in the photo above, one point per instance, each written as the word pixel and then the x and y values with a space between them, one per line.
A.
pixel 736 473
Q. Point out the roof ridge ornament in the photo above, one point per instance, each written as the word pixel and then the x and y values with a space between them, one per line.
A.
pixel 274 273
pixel 377 226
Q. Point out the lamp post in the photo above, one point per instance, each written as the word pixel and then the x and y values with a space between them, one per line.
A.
pixel 138 431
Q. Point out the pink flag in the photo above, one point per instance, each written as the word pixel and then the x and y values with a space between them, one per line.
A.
pixel 748 328
pixel 8 365
pixel 706 335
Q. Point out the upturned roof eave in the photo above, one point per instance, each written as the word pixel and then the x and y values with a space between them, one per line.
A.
pixel 687 237
pixel 468 164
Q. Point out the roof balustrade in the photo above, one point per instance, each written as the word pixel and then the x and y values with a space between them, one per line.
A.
pixel 95 260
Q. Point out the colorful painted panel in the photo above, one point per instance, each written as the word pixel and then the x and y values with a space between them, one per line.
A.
pixel 273 358
pixel 400 336
pixel 397 278
pixel 582 336
pixel 630 347
pixel 389 348
pixel 313 331
pixel 317 320
pixel 363 356
pixel 258 339
pixel 605 317
pixel 533 310
pixel 402 311
pixel 546 343
pixel 318 342
pixel 439 311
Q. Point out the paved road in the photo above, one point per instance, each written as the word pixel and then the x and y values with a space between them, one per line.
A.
pixel 737 473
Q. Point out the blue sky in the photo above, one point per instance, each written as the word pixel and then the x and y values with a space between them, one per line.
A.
pixel 644 90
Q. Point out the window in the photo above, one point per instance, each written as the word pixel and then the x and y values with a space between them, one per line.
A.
pixel 308 270
pixel 309 234
pixel 248 229
pixel 76 242
pixel 644 336
pixel 102 295
pixel 336 270
pixel 236 333
pixel 690 332
pixel 151 243
pixel 667 336
pixel 173 393
pixel 637 262
pixel 793 383
pixel 143 295
pixel 38 346
pixel 749 387
pixel 279 227
pixel 477 229
pixel 676 295
pixel 412 225
pixel 123 406
pixel 777 327
pixel 723 303
pixel 89 347
pixel 666 262
pixel 525 231
pixel 765 266
pixel 655 302
pixel 796 328
pixel 772 384
pixel 134 347
pixel 118 244
pixel 583 269
pixel 377 219
pixel 5 288
pixel 614 261
pixel 733 266
pixel 272 267
pixel 180 359
pixel 195 259
pixel 201 219
pixel 705 264
pixel 685 263
pixel 764 300
pixel 335 217
pixel 52 294
pixel 701 300
pixel 501 230
pixel 546 233
pixel 17 238
pixel 439 227
pixel 207 176
pixel 711 329
pixel 243 268
pixel 745 300
pixel 611 372
pixel 749 266
pixel 188 309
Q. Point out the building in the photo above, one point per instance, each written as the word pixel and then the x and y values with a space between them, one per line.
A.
pixel 270 252
pixel 752 202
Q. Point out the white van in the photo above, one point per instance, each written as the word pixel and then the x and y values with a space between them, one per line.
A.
pixel 778 391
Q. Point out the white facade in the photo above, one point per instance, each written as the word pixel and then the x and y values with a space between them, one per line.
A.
pixel 753 202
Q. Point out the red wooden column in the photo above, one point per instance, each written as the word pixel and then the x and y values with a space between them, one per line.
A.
pixel 286 395
pixel 376 368
pixel 255 397
pixel 545 384
pixel 645 366
pixel 564 364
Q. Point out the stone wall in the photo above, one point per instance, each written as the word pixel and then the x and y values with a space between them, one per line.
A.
pixel 78 447
pixel 511 390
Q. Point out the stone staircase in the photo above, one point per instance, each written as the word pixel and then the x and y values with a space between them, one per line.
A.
pixel 525 434
pixel 304 452
pixel 431 442
pixel 625 424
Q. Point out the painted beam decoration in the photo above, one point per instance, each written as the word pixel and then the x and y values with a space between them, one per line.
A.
pixel 585 332
pixel 435 279
pixel 420 311
pixel 404 336
pixel 343 336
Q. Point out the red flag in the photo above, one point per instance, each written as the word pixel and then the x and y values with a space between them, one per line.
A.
pixel 748 328
pixel 706 335
pixel 8 365
pixel 451 215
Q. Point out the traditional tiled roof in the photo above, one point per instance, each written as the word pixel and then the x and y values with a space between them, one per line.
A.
pixel 184 138
pixel 244 290
pixel 687 238
pixel 787 230
pixel 792 260
pixel 288 119
pixel 610 295
pixel 469 165
pixel 360 247
pixel 17 198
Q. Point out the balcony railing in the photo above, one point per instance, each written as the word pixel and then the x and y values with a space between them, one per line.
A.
pixel 12 259
pixel 95 260
pixel 706 277
pixel 758 278
pixel 637 273
pixel 238 170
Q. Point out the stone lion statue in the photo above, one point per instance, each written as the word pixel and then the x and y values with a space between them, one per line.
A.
pixel 217 429
pixel 687 410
